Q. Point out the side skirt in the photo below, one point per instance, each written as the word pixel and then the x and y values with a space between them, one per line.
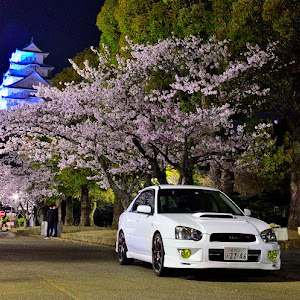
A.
pixel 139 256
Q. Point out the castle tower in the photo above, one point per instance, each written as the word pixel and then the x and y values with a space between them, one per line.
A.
pixel 26 70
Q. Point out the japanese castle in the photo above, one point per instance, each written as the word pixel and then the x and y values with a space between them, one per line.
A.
pixel 26 70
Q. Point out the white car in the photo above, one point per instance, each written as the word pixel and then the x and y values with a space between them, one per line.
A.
pixel 180 226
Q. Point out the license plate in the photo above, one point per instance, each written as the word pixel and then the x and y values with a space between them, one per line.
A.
pixel 236 254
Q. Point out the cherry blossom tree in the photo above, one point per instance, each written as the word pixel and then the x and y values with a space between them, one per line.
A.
pixel 24 185
pixel 155 101
pixel 174 103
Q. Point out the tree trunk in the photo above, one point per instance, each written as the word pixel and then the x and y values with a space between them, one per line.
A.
pixel 26 220
pixel 69 211
pixel 187 166
pixel 188 177
pixel 294 216
pixel 58 205
pixel 85 209
pixel 92 213
pixel 148 181
pixel 59 224
pixel 118 209
pixel 227 182
pixel 215 175
pixel 186 172
pixel 158 173
pixel 42 209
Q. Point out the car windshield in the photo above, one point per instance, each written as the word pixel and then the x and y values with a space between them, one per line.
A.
pixel 194 200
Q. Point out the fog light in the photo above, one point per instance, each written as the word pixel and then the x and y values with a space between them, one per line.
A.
pixel 185 253
pixel 272 255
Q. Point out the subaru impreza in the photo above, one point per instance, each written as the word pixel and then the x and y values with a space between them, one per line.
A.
pixel 180 226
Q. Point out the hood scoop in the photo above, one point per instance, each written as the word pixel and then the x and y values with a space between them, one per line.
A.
pixel 213 215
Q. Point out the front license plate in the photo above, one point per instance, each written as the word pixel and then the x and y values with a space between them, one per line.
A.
pixel 236 254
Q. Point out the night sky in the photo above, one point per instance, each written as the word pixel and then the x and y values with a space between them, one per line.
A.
pixel 61 27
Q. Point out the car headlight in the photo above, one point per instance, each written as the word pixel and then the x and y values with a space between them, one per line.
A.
pixel 187 233
pixel 268 235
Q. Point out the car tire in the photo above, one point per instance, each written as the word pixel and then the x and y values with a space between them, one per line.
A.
pixel 158 255
pixel 122 250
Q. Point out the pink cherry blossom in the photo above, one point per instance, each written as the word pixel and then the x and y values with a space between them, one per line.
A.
pixel 139 115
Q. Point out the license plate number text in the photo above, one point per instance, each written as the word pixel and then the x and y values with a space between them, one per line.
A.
pixel 236 254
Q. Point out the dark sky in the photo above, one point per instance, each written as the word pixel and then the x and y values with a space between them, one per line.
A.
pixel 61 27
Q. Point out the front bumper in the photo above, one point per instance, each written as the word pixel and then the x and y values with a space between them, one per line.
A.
pixel 205 255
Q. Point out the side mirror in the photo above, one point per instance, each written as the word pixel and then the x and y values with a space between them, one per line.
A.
pixel 145 209
pixel 247 212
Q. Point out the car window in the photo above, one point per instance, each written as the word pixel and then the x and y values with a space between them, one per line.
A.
pixel 191 201
pixel 145 198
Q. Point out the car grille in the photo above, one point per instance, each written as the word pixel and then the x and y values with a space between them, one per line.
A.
pixel 218 255
pixel 232 237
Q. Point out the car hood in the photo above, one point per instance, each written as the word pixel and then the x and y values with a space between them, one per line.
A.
pixel 218 223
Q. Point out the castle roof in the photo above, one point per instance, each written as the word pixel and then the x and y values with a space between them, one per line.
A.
pixel 17 86
pixel 31 63
pixel 33 77
pixel 32 48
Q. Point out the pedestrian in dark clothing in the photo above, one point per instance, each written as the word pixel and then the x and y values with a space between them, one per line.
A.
pixel 55 219
pixel 50 220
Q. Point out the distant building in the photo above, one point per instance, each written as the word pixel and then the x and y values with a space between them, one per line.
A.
pixel 26 70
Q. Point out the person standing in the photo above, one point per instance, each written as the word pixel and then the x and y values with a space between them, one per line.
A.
pixel 55 218
pixel 50 220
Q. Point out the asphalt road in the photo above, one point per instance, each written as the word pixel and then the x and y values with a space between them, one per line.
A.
pixel 34 268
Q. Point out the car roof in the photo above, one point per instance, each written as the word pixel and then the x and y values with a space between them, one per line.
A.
pixel 180 186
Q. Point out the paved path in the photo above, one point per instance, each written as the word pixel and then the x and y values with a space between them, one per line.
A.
pixel 34 268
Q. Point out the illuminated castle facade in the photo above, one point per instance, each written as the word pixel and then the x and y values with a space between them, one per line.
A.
pixel 27 69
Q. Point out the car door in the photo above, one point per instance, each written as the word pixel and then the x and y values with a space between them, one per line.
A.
pixel 130 225
pixel 145 224
pixel 139 225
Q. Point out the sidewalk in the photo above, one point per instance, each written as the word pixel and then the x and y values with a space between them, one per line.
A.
pixel 93 235
pixel 103 236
